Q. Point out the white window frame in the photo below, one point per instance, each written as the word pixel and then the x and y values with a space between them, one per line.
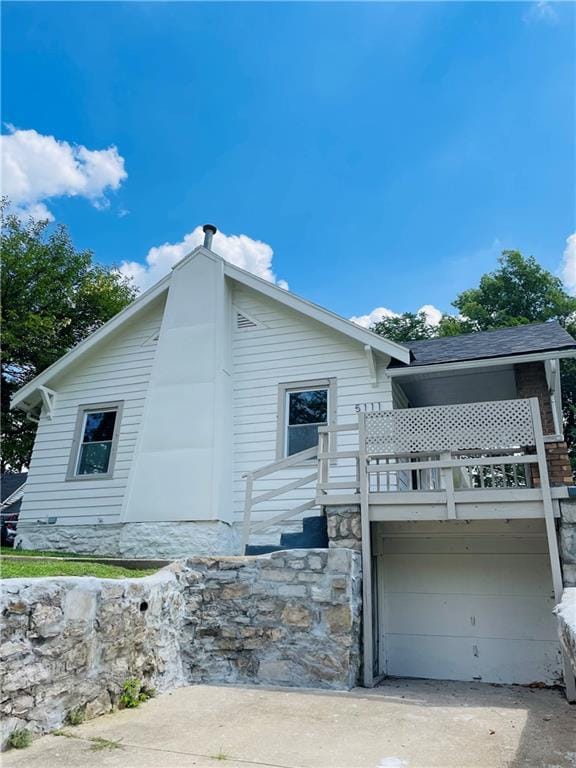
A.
pixel 284 391
pixel 74 461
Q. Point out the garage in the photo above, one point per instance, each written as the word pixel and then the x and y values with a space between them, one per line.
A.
pixel 465 600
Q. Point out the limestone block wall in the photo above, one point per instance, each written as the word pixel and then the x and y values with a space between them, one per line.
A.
pixel 290 618
pixel 567 540
pixel 70 642
pixel 144 540
pixel 344 527
pixel 566 612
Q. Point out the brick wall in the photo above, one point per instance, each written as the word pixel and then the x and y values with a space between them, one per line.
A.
pixel 531 382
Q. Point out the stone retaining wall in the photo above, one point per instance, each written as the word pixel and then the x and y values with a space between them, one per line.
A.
pixel 290 618
pixel 567 537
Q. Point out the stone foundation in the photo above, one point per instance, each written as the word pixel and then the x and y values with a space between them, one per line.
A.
pixel 566 612
pixel 289 618
pixel 344 527
pixel 145 540
pixel 567 541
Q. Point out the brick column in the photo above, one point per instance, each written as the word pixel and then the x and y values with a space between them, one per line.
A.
pixel 531 382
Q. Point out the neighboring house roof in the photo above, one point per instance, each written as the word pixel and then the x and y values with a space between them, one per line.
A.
pixel 11 482
pixel 12 491
pixel 504 342
pixel 28 396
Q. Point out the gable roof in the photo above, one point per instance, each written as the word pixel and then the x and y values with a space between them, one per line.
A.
pixel 392 349
pixel 503 342
pixel 28 396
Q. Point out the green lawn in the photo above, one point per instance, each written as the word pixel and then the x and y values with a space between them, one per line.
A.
pixel 15 569
pixel 38 553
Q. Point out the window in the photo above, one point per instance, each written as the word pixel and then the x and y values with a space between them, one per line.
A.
pixel 95 441
pixel 303 408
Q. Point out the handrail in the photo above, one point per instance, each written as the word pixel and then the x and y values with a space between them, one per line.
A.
pixel 295 458
pixel 251 500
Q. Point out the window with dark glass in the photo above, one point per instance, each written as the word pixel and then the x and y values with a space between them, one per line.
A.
pixel 306 411
pixel 96 440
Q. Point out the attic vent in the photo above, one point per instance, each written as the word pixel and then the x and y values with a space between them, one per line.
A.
pixel 152 339
pixel 243 322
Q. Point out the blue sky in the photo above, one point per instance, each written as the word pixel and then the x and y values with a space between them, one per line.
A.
pixel 386 152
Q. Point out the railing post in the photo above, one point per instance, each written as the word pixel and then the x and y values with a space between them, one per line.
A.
pixel 247 511
pixel 447 475
pixel 323 447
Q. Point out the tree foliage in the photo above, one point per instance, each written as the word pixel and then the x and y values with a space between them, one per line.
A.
pixel 53 296
pixel 518 292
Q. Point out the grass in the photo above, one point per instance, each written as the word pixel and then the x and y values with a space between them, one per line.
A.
pixel 18 569
pixel 20 738
pixel 37 553
pixel 220 755
pixel 97 742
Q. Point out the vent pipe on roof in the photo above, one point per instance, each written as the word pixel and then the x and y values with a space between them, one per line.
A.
pixel 209 232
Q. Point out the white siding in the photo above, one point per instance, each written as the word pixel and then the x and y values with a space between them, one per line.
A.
pixel 288 348
pixel 119 369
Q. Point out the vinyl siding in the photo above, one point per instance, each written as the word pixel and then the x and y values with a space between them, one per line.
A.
pixel 119 369
pixel 289 348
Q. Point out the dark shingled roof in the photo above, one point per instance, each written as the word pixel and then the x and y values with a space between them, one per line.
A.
pixel 11 481
pixel 519 340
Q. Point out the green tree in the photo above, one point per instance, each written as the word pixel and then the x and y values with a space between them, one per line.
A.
pixel 410 326
pixel 520 291
pixel 53 296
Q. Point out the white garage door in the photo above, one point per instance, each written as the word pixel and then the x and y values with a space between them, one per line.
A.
pixel 467 602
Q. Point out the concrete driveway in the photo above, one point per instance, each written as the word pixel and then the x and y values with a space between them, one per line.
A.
pixel 402 724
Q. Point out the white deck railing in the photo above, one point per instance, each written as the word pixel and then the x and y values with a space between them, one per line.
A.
pixel 452 448
pixel 459 447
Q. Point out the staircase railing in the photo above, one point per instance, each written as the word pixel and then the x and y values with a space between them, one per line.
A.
pixel 252 500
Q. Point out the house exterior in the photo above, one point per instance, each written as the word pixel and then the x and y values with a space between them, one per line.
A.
pixel 442 461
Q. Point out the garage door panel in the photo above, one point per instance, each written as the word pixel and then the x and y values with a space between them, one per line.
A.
pixel 490 661
pixel 523 618
pixel 474 544
pixel 523 574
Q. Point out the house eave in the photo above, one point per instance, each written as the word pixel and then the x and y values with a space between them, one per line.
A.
pixel 28 397
pixel 321 315
pixel 486 362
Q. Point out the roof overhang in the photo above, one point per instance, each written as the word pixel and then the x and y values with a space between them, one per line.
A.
pixel 486 362
pixel 367 338
pixel 30 395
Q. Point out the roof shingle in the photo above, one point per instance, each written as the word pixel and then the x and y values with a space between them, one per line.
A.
pixel 518 340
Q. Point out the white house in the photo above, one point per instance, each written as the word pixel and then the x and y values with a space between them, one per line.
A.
pixel 218 410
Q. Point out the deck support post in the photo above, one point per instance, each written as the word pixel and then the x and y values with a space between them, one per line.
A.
pixel 367 624
pixel 552 536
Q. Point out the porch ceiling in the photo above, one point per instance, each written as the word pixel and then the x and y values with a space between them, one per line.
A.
pixel 465 386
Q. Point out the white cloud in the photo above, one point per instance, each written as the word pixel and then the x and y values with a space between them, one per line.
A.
pixel 242 251
pixel 568 269
pixel 366 321
pixel 542 10
pixel 36 168
pixel 433 315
